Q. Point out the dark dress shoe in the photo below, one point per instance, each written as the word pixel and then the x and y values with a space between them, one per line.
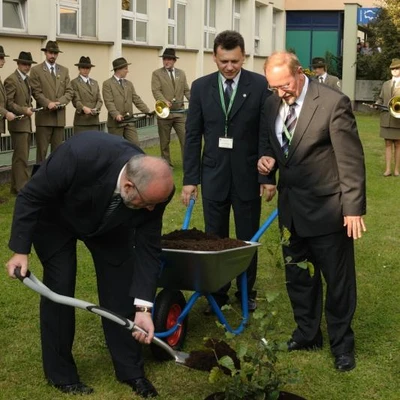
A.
pixel 142 387
pixel 345 362
pixel 315 345
pixel 252 304
pixel 74 388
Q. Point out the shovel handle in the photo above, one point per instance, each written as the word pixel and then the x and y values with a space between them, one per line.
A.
pixel 188 214
pixel 17 273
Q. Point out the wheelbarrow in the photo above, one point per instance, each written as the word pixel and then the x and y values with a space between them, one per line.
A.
pixel 203 272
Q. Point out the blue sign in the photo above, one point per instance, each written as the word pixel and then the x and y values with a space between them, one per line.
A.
pixel 366 15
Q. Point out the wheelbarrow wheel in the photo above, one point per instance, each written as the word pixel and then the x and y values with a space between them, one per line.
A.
pixel 168 307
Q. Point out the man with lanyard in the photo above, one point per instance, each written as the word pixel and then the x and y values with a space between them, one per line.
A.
pixel 226 110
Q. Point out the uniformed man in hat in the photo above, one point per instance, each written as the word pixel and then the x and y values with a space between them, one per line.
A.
pixel 52 90
pixel 118 95
pixel 87 98
pixel 4 113
pixel 169 84
pixel 319 67
pixel 19 101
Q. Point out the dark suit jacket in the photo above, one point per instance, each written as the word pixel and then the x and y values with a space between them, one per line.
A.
pixel 217 168
pixel 18 101
pixel 69 195
pixel 3 110
pixel 323 177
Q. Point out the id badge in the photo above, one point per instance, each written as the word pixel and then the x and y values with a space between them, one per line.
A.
pixel 225 143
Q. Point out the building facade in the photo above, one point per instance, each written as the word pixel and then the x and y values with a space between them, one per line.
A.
pixel 138 30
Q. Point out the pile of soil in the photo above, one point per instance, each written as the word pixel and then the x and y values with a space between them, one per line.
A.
pixel 194 239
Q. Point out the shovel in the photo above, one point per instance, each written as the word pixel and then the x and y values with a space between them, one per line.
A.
pixel 38 286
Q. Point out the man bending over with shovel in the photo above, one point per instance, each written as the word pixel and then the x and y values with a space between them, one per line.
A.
pixel 104 191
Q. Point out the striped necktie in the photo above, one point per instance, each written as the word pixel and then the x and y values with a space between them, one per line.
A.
pixel 112 206
pixel 290 124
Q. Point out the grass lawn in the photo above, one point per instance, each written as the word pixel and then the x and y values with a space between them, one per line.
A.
pixel 376 323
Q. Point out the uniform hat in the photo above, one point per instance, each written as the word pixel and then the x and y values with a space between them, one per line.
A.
pixel 2 52
pixel 52 46
pixel 318 62
pixel 25 58
pixel 395 63
pixel 84 62
pixel 169 53
pixel 119 63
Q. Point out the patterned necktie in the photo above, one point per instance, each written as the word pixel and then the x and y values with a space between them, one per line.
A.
pixel 290 123
pixel 112 206
pixel 228 92
pixel 321 79
pixel 171 72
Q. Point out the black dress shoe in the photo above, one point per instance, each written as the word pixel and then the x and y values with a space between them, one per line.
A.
pixel 315 345
pixel 252 304
pixel 210 311
pixel 345 362
pixel 142 387
pixel 74 388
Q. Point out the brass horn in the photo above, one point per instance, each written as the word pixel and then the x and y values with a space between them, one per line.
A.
pixel 161 108
pixel 394 106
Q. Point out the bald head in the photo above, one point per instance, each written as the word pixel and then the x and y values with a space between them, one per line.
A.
pixel 147 181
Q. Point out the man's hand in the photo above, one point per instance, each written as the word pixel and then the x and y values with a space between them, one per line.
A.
pixel 188 191
pixel 53 105
pixel 265 165
pixel 143 320
pixel 355 226
pixel 10 116
pixel 119 118
pixel 17 260
pixel 29 112
pixel 87 110
pixel 268 191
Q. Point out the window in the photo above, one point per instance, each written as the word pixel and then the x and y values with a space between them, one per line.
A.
pixel 177 22
pixel 209 23
pixel 134 20
pixel 13 14
pixel 77 18
pixel 236 15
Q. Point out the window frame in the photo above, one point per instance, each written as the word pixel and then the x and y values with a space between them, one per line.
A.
pixel 173 23
pixel 135 17
pixel 75 5
pixel 236 15
pixel 22 5
pixel 208 29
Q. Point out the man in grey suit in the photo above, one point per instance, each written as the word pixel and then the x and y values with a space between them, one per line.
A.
pixel 19 101
pixel 312 139
pixel 118 96
pixel 319 67
pixel 4 113
pixel 169 84
pixel 226 111
pixel 87 99
pixel 52 90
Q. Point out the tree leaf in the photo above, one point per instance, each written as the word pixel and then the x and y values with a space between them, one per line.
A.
pixel 227 362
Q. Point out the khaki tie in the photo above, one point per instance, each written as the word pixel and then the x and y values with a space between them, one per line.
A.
pixel 53 75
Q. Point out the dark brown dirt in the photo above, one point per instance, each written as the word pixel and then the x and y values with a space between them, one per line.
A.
pixel 194 239
pixel 206 360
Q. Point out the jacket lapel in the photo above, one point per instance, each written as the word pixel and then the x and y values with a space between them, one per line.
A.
pixel 47 75
pixel 307 112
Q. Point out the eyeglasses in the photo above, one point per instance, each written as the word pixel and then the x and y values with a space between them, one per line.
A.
pixel 143 202
pixel 276 88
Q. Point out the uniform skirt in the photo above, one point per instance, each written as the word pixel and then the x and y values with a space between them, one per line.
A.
pixel 390 133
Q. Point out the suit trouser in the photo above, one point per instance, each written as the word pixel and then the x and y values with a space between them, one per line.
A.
pixel 21 142
pixel 45 135
pixel 247 221
pixel 84 128
pixel 332 256
pixel 128 131
pixel 164 132
pixel 57 321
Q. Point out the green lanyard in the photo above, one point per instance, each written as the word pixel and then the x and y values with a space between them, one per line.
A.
pixel 221 95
